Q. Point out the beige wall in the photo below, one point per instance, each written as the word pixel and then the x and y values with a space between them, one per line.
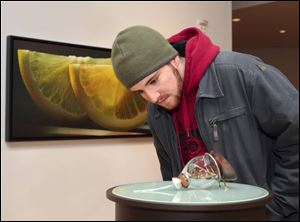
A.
pixel 67 180
pixel 285 59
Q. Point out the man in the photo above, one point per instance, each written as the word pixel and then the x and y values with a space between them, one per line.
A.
pixel 201 99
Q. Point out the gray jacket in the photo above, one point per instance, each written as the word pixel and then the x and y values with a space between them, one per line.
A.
pixel 249 112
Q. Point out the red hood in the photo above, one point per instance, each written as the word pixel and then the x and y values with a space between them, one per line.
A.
pixel 199 53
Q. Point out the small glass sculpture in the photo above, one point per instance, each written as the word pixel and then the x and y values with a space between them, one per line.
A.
pixel 205 169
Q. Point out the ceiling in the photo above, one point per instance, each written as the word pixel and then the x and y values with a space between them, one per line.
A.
pixel 260 24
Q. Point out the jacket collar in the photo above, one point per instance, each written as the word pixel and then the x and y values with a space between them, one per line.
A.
pixel 209 86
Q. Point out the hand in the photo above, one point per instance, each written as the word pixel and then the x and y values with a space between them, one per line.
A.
pixel 227 172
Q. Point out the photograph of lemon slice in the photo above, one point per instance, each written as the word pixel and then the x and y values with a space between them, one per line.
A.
pixel 46 77
pixel 106 101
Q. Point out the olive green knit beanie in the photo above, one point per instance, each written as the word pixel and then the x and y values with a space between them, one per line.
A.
pixel 137 52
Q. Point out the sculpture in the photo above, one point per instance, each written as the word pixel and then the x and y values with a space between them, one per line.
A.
pixel 209 166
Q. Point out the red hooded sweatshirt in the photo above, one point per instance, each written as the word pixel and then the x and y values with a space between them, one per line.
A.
pixel 199 53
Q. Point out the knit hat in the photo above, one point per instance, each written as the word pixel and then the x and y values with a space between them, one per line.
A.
pixel 139 51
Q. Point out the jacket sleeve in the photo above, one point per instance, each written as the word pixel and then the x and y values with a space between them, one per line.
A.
pixel 165 165
pixel 164 160
pixel 275 104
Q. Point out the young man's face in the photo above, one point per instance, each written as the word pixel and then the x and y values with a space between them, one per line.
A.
pixel 163 87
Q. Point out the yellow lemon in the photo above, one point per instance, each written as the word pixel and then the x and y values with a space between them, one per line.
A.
pixel 106 101
pixel 46 77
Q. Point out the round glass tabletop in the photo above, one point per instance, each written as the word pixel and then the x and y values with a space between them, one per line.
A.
pixel 207 194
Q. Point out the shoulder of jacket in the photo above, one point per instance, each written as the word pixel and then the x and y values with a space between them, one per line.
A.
pixel 233 61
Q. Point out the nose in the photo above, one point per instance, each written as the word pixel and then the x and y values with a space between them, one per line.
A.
pixel 151 96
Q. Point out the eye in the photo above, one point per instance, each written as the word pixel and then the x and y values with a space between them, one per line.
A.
pixel 154 81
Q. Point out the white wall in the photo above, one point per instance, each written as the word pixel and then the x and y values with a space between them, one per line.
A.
pixel 67 180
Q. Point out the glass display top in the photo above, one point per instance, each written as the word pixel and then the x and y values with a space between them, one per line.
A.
pixel 202 193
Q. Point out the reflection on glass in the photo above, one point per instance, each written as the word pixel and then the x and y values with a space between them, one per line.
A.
pixel 179 196
pixel 202 170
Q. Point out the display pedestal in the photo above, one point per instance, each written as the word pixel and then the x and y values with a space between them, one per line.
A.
pixel 162 201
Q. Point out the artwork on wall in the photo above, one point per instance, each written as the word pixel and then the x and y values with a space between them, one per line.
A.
pixel 66 91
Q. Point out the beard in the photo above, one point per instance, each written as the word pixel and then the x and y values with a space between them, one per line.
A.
pixel 176 98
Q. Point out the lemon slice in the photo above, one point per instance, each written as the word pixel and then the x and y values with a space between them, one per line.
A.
pixel 106 101
pixel 46 77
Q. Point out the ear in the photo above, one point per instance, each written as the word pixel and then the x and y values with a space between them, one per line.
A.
pixel 176 62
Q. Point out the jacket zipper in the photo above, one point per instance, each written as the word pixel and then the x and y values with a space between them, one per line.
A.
pixel 215 132
pixel 214 125
pixel 213 122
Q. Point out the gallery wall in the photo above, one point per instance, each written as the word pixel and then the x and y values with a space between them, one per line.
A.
pixel 67 179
